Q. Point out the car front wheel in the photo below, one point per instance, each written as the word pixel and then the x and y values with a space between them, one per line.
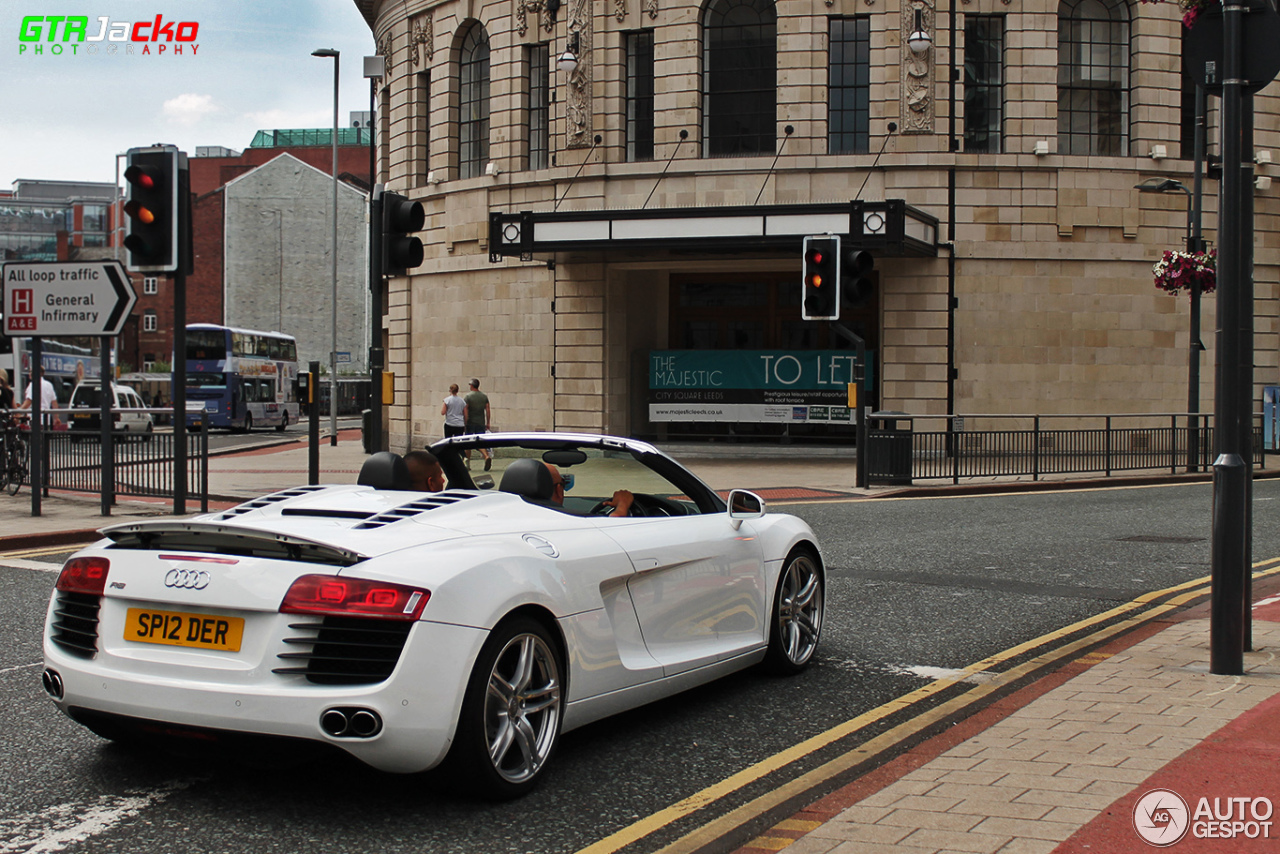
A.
pixel 797 614
pixel 511 712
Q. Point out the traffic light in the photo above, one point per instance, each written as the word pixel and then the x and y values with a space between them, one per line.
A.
pixel 306 388
pixel 152 207
pixel 857 268
pixel 401 251
pixel 820 299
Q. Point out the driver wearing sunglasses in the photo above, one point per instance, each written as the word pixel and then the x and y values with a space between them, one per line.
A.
pixel 620 502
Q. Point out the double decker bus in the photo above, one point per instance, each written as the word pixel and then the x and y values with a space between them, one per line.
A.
pixel 240 378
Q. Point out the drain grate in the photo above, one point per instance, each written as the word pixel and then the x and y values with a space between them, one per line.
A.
pixel 1151 538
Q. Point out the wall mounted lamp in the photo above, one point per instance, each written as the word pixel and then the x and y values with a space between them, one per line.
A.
pixel 568 61
pixel 919 40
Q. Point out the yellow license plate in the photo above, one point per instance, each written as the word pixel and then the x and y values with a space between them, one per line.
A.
pixel 179 628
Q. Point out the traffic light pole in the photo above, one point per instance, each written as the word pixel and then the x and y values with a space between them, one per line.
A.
pixel 377 356
pixel 860 428
pixel 313 425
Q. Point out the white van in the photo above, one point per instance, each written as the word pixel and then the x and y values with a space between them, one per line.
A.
pixel 86 409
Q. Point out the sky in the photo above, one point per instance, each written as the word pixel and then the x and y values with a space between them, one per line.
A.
pixel 65 116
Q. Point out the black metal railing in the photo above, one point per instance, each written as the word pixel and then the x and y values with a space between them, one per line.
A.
pixel 1039 445
pixel 140 464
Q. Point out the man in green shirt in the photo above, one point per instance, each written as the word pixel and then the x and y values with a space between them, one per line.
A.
pixel 478 418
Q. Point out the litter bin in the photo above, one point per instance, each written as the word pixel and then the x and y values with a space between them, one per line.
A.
pixel 366 430
pixel 889 448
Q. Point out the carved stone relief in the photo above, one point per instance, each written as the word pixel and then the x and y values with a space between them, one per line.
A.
pixel 523 9
pixel 917 72
pixel 385 50
pixel 578 98
pixel 422 32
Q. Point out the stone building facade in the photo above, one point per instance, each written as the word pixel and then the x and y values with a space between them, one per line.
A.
pixel 1022 128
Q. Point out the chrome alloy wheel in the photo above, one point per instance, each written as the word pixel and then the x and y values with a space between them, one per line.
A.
pixel 522 708
pixel 799 613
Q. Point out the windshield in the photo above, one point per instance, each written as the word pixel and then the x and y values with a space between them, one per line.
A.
pixel 206 344
pixel 592 475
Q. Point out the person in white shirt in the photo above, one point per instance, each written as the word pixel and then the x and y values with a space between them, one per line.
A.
pixel 48 398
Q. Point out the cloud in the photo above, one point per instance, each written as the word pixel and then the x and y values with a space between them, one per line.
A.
pixel 189 109
pixel 278 118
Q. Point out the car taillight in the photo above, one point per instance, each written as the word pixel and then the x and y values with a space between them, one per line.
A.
pixel 84 575
pixel 353 597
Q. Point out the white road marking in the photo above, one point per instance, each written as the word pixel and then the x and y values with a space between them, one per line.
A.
pixel 939 674
pixel 37 565
pixel 1268 601
pixel 67 824
pixel 4 670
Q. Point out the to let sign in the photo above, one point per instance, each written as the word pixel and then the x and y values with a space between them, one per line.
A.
pixel 52 299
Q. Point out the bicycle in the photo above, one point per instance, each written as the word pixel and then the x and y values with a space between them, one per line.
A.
pixel 13 461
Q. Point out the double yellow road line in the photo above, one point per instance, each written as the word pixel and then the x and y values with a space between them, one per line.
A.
pixel 1057 645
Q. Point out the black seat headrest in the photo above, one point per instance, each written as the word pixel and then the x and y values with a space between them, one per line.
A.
pixel 385 470
pixel 528 478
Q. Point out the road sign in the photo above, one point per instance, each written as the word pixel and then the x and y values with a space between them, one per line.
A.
pixel 64 298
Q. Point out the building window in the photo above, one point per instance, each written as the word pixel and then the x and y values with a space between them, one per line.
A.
pixel 1093 77
pixel 848 85
pixel 421 127
pixel 473 91
pixel 984 83
pixel 639 95
pixel 739 77
pixel 539 106
pixel 149 321
pixel 150 285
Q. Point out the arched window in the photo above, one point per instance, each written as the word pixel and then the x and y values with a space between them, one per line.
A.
pixel 473 103
pixel 1093 77
pixel 739 77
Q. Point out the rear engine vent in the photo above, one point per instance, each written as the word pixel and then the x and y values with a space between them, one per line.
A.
pixel 75 623
pixel 267 500
pixel 346 650
pixel 413 508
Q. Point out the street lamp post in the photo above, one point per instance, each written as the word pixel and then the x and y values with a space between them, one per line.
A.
pixel 333 253
pixel 375 70
pixel 1193 244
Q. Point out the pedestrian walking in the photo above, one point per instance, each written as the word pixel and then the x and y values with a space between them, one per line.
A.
pixel 478 418
pixel 453 410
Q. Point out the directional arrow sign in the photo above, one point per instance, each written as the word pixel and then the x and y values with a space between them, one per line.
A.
pixel 52 299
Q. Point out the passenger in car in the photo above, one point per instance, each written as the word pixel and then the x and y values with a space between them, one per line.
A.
pixel 425 471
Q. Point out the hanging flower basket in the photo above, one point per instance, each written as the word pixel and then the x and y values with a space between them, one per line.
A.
pixel 1191 9
pixel 1181 271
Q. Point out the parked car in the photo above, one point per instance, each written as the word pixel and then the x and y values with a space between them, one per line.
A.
pixel 127 410
pixel 470 626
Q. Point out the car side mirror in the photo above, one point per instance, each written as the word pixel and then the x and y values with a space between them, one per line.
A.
pixel 744 505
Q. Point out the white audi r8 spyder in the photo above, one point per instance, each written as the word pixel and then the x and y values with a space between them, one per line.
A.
pixel 469 626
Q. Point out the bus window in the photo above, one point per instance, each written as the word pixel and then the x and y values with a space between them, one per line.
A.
pixel 206 344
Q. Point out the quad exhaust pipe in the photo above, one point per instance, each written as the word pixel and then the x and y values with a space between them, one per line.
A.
pixel 351 723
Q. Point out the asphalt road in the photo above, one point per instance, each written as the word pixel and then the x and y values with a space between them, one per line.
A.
pixel 916 587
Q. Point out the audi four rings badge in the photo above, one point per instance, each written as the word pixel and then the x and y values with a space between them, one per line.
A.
pixel 187 579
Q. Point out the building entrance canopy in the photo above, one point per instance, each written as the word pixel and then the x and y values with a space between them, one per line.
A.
pixel 889 228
